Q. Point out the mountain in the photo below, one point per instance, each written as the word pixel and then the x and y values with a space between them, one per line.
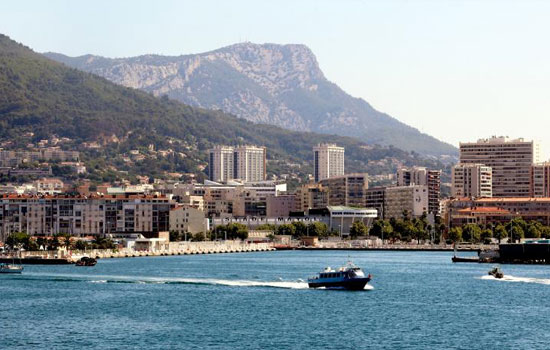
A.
pixel 40 98
pixel 274 84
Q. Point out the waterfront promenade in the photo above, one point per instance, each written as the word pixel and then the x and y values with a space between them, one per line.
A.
pixel 63 256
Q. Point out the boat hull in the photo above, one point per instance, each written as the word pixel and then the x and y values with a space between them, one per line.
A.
pixel 347 284
pixel 11 271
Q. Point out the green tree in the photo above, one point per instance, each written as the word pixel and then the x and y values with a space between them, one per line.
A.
pixel 318 229
pixel 545 232
pixel 455 234
pixel 80 244
pixel 286 229
pixel 471 233
pixel 486 236
pixel 534 230
pixel 358 228
pixel 376 228
pixel 198 237
pixel 300 229
pixel 18 240
pixel 500 232
pixel 517 233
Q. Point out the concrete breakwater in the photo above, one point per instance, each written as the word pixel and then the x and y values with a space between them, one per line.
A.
pixel 63 256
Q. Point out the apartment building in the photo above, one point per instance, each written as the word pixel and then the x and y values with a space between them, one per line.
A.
pixel 311 196
pixel 413 199
pixel 472 180
pixel 540 180
pixel 79 215
pixel 246 163
pixel 424 177
pixel 347 190
pixel 510 160
pixel 328 161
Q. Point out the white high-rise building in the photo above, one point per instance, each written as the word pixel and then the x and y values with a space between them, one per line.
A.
pixel 472 180
pixel 250 164
pixel 221 163
pixel 510 161
pixel 246 163
pixel 328 161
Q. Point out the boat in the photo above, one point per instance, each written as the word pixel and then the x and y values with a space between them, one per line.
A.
pixel 348 277
pixel 10 268
pixel 86 261
pixel 496 273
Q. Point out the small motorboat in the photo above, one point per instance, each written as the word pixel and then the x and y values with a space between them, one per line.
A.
pixel 10 268
pixel 349 277
pixel 86 261
pixel 496 273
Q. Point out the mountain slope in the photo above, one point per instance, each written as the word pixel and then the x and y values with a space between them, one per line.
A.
pixel 41 97
pixel 274 84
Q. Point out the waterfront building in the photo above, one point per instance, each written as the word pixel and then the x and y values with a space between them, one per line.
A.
pixel 472 180
pixel 424 177
pixel 413 199
pixel 337 218
pixel 328 161
pixel 184 219
pixel 281 205
pixel 347 190
pixel 498 210
pixel 79 215
pixel 375 198
pixel 509 159
pixel 540 180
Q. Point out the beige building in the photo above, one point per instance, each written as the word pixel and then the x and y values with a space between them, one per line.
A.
pixel 425 177
pixel 311 196
pixel 48 185
pixel 472 180
pixel 413 199
pixel 510 161
pixel 540 180
pixel 280 205
pixel 347 190
pixel 188 220
pixel 328 161
pixel 79 215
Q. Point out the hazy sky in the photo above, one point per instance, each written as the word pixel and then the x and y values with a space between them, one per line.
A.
pixel 458 70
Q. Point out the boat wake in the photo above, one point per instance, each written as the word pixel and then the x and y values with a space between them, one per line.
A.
pixel 510 278
pixel 162 280
pixel 279 283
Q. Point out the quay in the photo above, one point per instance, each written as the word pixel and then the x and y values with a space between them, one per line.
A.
pixel 512 253
pixel 63 257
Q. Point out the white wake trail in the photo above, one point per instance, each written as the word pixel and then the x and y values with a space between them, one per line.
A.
pixel 510 278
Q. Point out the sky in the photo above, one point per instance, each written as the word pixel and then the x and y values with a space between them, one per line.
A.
pixel 457 70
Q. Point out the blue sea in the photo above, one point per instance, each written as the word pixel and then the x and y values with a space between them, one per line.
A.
pixel 417 300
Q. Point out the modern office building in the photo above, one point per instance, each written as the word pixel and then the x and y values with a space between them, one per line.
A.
pixel 328 161
pixel 509 159
pixel 311 196
pixel 246 163
pixel 472 181
pixel 423 177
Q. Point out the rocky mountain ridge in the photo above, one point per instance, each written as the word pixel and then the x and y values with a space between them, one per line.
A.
pixel 269 83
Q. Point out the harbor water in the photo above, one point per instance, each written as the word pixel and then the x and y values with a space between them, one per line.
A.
pixel 417 300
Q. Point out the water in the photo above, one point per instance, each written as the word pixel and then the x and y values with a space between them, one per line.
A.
pixel 260 301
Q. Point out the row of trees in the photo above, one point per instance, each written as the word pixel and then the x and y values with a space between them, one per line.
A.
pixel 514 231
pixel 406 229
pixel 21 240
